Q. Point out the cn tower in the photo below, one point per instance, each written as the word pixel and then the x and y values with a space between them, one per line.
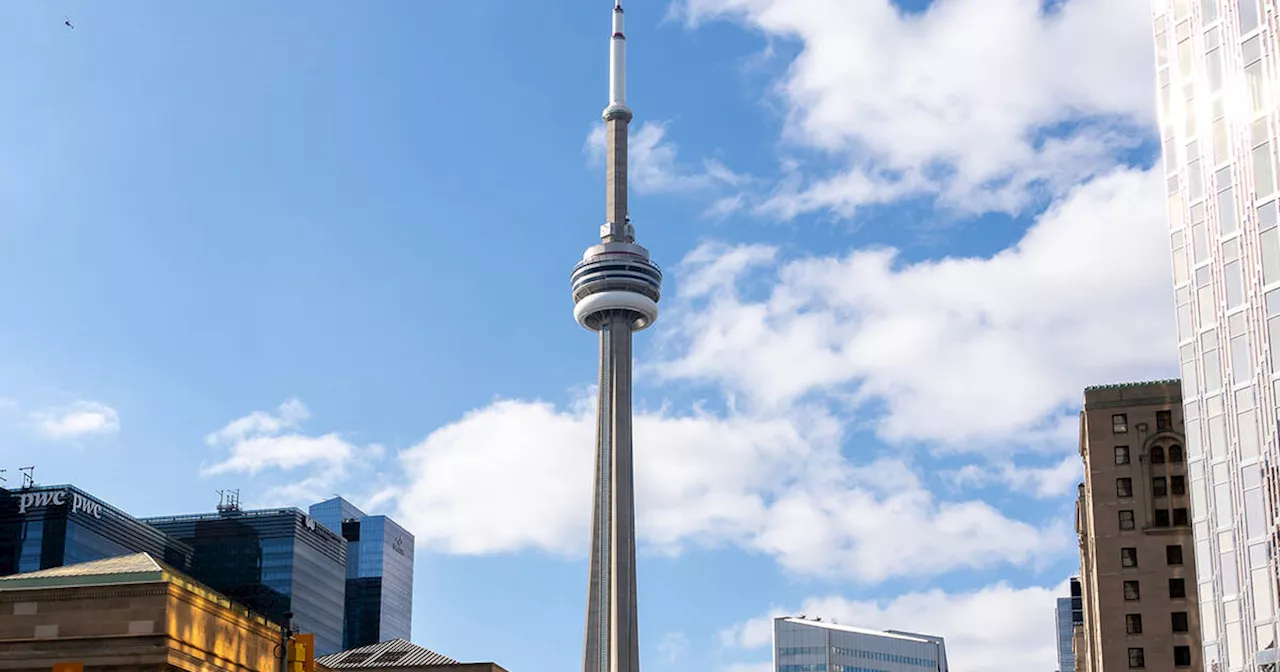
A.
pixel 615 292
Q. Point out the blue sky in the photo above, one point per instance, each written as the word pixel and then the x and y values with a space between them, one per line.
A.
pixel 303 250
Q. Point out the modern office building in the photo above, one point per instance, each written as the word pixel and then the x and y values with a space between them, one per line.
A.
pixel 1218 102
pixel 1068 614
pixel 616 288
pixel 42 527
pixel 275 562
pixel 802 645
pixel 379 593
pixel 1137 570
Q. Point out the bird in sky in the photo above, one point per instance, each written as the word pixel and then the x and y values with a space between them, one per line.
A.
pixel 66 21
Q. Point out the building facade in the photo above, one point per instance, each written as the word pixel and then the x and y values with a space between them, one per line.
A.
pixel 128 613
pixel 1068 614
pixel 1216 63
pixel 379 589
pixel 51 526
pixel 1137 568
pixel 801 645
pixel 275 562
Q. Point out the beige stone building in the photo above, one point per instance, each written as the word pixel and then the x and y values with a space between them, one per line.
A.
pixel 128 614
pixel 398 655
pixel 1137 565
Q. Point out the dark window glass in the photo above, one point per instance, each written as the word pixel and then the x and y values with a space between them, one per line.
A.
pixel 1175 454
pixel 1124 487
pixel 1132 592
pixel 1119 423
pixel 1162 518
pixel 1173 554
pixel 1136 659
pixel 1129 557
pixel 1164 421
pixel 1182 656
pixel 1122 454
pixel 1157 455
pixel 1126 520
pixel 1180 517
pixel 1180 621
pixel 1177 588
pixel 1178 485
pixel 1133 624
pixel 1159 486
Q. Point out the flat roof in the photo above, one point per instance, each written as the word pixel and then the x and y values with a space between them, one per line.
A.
pixel 890 634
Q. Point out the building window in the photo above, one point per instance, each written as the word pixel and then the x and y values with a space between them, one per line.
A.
pixel 1129 557
pixel 1180 622
pixel 1177 589
pixel 1157 455
pixel 1124 487
pixel 1132 593
pixel 1122 454
pixel 1164 421
pixel 1162 518
pixel 1136 659
pixel 1178 485
pixel 1182 656
pixel 1173 554
pixel 1180 517
pixel 1159 486
pixel 1133 624
pixel 1126 520
pixel 1175 454
pixel 1120 423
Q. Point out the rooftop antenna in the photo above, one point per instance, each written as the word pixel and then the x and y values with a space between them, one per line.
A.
pixel 28 476
pixel 2 478
pixel 228 501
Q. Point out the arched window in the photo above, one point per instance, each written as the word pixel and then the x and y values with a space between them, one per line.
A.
pixel 1157 455
pixel 1175 453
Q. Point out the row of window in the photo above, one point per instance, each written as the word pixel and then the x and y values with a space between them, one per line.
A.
pixel 1172 552
pixel 822 667
pixel 1133 590
pixel 1178 620
pixel 1155 456
pixel 1160 486
pixel 1138 657
pixel 1120 422
pixel 1162 518
pixel 883 657
pixel 857 653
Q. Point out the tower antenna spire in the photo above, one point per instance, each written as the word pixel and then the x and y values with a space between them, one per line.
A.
pixel 617 119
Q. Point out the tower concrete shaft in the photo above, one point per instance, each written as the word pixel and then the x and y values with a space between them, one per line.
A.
pixel 615 291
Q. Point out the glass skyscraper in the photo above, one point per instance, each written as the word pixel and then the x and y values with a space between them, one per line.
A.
pixel 379 595
pixel 801 645
pixel 1069 613
pixel 51 526
pixel 1217 90
pixel 273 562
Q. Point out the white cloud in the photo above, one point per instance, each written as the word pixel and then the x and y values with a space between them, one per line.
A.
pixel 996 629
pixel 653 166
pixel 673 645
pixel 958 350
pixel 82 418
pixel 263 441
pixel 982 102
pixel 1041 482
pixel 517 475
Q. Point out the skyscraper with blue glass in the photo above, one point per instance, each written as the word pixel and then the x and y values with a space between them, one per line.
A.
pixel 379 588
pixel 275 562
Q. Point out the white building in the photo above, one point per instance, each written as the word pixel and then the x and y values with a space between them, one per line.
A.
pixel 801 645
pixel 1216 66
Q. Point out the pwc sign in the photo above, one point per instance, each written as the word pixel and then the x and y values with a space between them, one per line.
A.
pixel 78 502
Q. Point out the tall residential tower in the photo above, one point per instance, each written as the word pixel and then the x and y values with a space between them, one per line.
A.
pixel 1216 64
pixel 615 291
